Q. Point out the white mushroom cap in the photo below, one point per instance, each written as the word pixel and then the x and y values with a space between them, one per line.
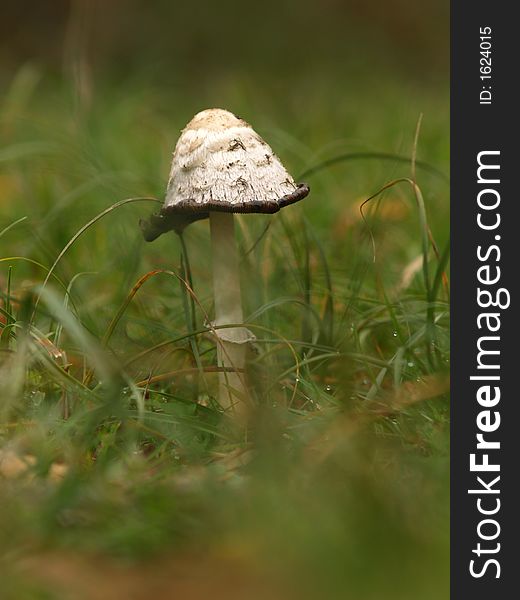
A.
pixel 221 164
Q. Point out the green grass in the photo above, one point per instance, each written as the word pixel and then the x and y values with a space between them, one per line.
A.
pixel 344 492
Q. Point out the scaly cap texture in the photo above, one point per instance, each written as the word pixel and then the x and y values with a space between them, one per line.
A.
pixel 221 164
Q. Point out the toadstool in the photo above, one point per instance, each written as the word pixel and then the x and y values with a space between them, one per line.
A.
pixel 221 166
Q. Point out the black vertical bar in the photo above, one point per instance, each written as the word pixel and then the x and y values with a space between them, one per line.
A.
pixel 479 127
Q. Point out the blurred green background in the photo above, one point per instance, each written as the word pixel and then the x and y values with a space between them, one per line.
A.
pixel 113 487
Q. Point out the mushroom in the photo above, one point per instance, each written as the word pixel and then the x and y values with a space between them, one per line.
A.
pixel 221 166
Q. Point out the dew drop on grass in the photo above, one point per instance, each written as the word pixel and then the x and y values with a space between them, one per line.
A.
pixel 411 364
pixel 394 333
pixel 328 388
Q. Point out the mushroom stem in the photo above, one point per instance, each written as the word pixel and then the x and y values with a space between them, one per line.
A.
pixel 231 342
